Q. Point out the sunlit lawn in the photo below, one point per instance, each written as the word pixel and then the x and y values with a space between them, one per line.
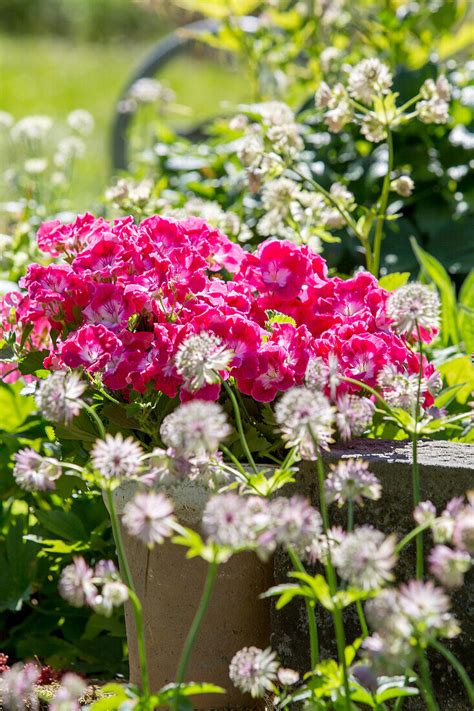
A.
pixel 52 76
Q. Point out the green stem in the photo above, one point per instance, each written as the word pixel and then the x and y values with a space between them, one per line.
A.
pixel 415 466
pixel 240 429
pixel 362 620
pixel 234 460
pixel 194 629
pixel 310 611
pixel 410 536
pixel 332 580
pixel 94 416
pixel 426 687
pixel 457 666
pixel 382 208
pixel 136 605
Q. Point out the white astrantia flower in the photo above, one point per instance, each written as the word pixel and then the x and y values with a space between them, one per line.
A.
pixel 366 558
pixel 113 594
pixel 288 677
pixel 369 78
pixel 32 128
pixel 58 397
pixel 117 458
pixel 81 121
pixel 305 418
pixel 76 584
pixel 254 670
pixel 351 480
pixel 149 517
pixel 194 428
pixel 150 91
pixel 354 415
pixel 239 522
pixel 398 389
pixel 403 185
pixel 33 472
pixel 372 129
pixel 449 566
pixel 427 607
pixel 35 166
pixel 414 305
pixel 201 359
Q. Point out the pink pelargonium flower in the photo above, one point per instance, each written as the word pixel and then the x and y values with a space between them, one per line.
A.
pixel 90 347
pixel 55 238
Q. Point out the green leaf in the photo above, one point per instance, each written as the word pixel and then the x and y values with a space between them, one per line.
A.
pixel 63 523
pixel 434 270
pixel 393 281
pixel 318 587
pixel 17 562
pixel 459 371
pixel 32 362
pixel 466 312
pixel 395 693
pixel 14 408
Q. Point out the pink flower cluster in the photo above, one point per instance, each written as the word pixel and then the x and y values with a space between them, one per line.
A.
pixel 124 297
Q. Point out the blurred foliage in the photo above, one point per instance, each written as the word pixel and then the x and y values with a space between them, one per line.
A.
pixel 91 20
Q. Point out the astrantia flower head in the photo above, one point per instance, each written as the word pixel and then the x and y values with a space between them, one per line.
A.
pixel 403 185
pixel 17 687
pixel 366 558
pixel 414 305
pixel 194 428
pixel 305 419
pixel 425 512
pixel 463 530
pixel 368 78
pixel 35 473
pixel 116 458
pixel 67 696
pixel 76 583
pixel 427 608
pixel 354 415
pixel 201 359
pixel 59 396
pixel 398 389
pixel 254 670
pixel 297 524
pixel 288 677
pixel 449 566
pixel 113 594
pixel 149 516
pixel 238 522
pixel 350 480
pixel 329 541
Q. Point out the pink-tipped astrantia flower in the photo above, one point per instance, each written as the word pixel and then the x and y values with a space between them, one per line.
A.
pixel 66 698
pixel 35 473
pixel 195 428
pixel 76 583
pixel 305 419
pixel 116 457
pixel 202 359
pixel 17 687
pixel 59 396
pixel 149 517
pixel 449 566
pixel 354 415
pixel 366 558
pixel 414 306
pixel 351 480
pixel 254 670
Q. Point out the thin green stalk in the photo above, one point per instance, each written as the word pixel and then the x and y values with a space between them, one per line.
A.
pixel 194 629
pixel 136 605
pixel 332 580
pixel 410 536
pixel 382 208
pixel 94 416
pixel 310 611
pixel 415 466
pixel 457 666
pixel 426 688
pixel 362 620
pixel 240 429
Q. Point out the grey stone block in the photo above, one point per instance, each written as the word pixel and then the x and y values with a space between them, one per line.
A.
pixel 446 470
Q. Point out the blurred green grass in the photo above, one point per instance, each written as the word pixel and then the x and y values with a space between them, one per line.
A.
pixel 53 76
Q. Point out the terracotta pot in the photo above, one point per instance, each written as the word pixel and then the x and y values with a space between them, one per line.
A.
pixel 170 586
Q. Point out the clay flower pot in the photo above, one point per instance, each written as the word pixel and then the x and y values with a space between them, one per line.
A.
pixel 169 587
